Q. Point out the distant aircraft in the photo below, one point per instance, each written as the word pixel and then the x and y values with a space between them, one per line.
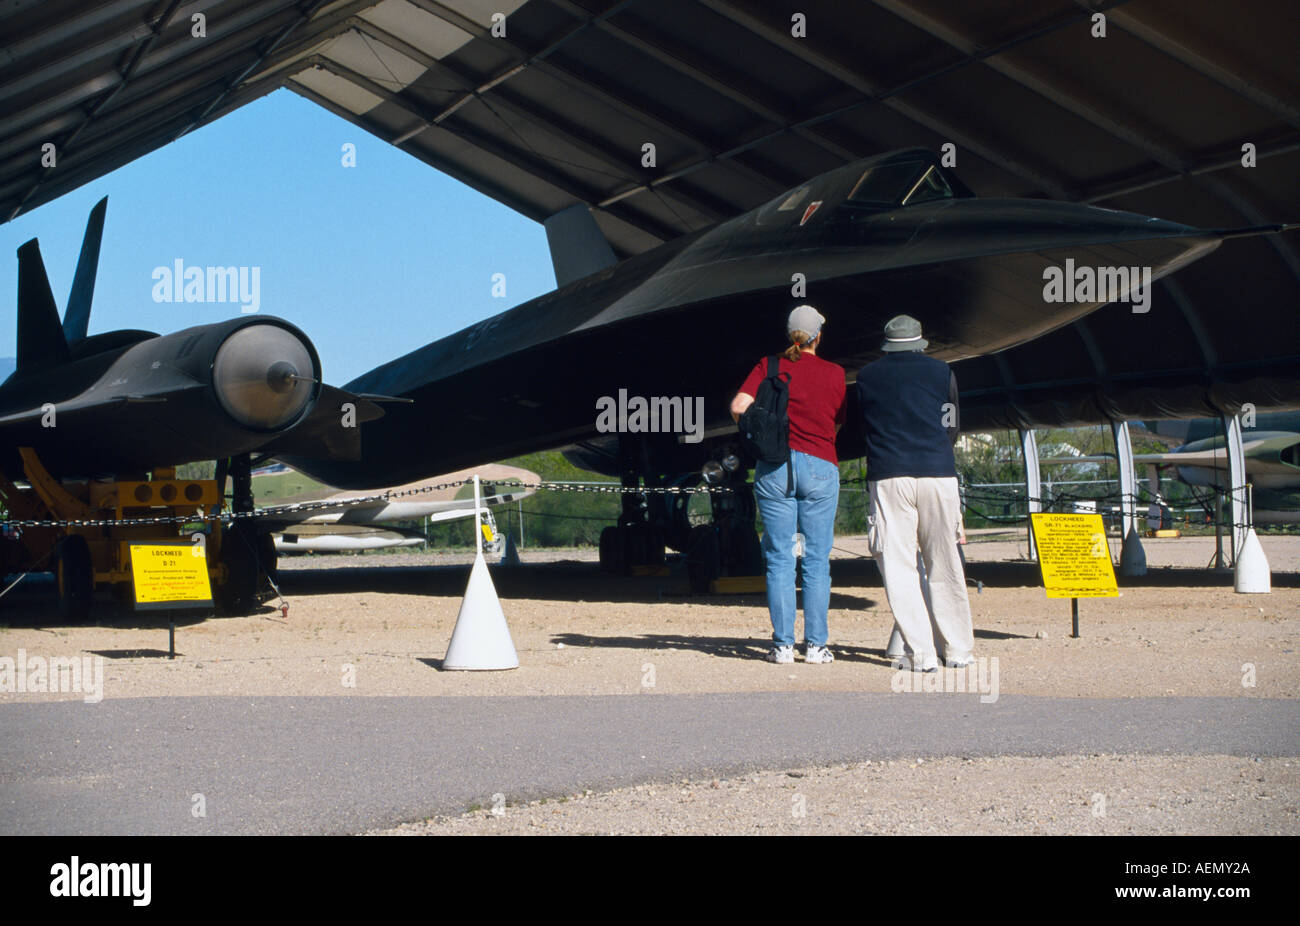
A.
pixel 890 234
pixel 1198 451
pixel 336 522
pixel 1199 456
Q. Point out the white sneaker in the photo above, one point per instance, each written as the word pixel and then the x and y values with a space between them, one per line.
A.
pixel 928 663
pixel 960 662
pixel 818 654
pixel 781 654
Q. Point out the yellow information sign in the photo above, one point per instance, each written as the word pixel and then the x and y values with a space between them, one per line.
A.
pixel 172 575
pixel 1073 556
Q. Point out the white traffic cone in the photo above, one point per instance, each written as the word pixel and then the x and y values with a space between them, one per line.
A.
pixel 1132 558
pixel 510 556
pixel 481 639
pixel 1250 573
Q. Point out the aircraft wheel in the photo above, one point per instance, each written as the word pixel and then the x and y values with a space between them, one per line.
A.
pixel 703 558
pixel 75 575
pixel 613 551
pixel 657 550
pixel 748 551
pixel 238 595
pixel 642 545
pixel 268 556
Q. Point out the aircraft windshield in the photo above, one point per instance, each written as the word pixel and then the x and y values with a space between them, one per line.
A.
pixel 794 200
pixel 931 186
pixel 899 184
pixel 788 209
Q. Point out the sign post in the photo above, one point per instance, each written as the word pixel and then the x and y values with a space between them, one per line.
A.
pixel 1074 559
pixel 170 577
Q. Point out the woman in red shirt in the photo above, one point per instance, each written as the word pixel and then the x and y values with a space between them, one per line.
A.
pixel 816 412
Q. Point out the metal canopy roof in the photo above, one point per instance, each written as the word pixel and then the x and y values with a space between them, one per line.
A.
pixel 1151 118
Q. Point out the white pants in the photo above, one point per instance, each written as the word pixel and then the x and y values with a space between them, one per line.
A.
pixel 911 514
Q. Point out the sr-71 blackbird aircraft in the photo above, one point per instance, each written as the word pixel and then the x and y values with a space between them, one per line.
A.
pixel 85 419
pixel 875 238
pixel 127 401
pixel 889 234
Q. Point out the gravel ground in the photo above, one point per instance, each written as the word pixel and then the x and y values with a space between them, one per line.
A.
pixel 383 622
pixel 1059 796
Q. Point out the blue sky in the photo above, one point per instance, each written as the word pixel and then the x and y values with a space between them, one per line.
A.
pixel 371 261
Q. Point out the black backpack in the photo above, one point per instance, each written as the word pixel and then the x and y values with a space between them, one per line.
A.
pixel 765 425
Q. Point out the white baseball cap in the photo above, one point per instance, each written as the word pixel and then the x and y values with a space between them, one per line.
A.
pixel 806 319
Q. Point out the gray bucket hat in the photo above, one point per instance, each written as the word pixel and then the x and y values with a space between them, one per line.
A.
pixel 903 332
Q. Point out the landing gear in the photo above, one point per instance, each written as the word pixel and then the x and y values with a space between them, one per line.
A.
pixel 703 557
pixel 638 543
pixel 248 558
pixel 75 575
pixel 238 594
pixel 638 538
pixel 729 546
pixel 725 546
pixel 267 555
pixel 613 551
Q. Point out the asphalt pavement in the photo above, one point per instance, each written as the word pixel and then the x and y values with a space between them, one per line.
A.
pixel 302 765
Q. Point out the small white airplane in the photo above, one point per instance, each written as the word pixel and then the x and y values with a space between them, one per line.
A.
pixel 333 521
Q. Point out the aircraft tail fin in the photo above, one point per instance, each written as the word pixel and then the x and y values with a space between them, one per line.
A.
pixel 578 247
pixel 76 318
pixel 40 337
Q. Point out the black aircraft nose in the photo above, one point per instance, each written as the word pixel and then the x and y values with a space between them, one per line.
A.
pixel 264 377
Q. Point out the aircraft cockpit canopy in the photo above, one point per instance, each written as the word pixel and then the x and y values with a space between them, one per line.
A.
pixel 900 183
pixel 878 184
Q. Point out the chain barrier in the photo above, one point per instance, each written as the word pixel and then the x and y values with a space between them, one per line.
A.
pixel 228 517
pixel 1119 499
pixel 327 504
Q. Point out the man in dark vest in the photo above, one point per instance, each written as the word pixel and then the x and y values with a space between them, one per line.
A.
pixel 910 419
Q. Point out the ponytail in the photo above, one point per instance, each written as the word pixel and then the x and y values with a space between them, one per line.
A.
pixel 799 341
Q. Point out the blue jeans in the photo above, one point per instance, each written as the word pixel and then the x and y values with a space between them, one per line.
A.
pixel 811 512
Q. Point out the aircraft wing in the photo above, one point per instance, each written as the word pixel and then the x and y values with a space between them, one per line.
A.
pixel 343 538
pixel 81 407
pixel 1189 458
pixel 332 431
pixel 348 511
pixel 338 536
pixel 1210 457
pixel 93 420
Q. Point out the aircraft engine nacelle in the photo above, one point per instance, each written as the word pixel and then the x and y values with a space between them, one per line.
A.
pixel 265 376
pixel 204 393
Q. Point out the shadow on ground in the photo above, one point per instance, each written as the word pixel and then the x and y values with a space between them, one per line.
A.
pixel 755 648
pixel 31 604
pixel 752 648
pixel 560 581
